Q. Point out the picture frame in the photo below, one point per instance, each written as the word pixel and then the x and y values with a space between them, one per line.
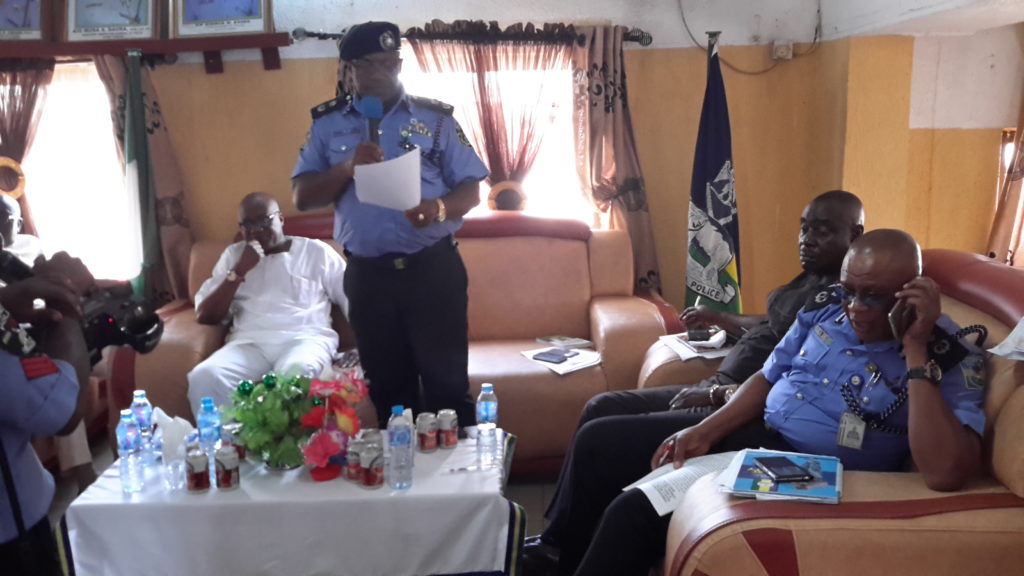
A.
pixel 92 20
pixel 192 18
pixel 25 20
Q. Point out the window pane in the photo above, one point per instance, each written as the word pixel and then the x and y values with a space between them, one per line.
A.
pixel 74 181
pixel 552 187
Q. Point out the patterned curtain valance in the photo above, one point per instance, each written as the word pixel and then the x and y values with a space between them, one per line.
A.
pixel 480 32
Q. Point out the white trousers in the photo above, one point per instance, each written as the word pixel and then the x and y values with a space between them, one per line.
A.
pixel 219 375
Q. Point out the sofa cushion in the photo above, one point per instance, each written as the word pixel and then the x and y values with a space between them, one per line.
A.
pixel 542 407
pixel 505 303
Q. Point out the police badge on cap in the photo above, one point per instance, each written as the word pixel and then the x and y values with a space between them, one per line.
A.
pixel 369 38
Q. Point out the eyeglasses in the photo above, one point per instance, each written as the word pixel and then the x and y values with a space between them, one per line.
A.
pixel 367 64
pixel 870 300
pixel 261 224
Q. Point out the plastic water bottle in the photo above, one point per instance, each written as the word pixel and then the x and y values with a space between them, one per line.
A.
pixel 129 448
pixel 400 441
pixel 487 448
pixel 208 423
pixel 142 410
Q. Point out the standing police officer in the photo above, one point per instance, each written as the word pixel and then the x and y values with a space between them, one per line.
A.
pixel 405 280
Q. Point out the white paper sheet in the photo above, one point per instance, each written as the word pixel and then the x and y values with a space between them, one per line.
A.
pixel 1013 346
pixel 583 359
pixel 666 486
pixel 392 183
pixel 678 343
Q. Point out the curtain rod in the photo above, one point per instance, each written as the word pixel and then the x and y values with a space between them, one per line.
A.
pixel 634 34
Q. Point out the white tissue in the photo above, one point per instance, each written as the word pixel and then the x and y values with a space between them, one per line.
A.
pixel 175 430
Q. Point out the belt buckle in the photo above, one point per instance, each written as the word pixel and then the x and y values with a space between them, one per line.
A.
pixel 399 263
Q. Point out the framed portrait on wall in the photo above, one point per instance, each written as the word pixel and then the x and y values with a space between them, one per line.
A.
pixel 23 19
pixel 110 20
pixel 220 17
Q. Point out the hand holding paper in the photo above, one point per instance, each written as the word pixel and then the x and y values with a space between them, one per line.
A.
pixel 392 183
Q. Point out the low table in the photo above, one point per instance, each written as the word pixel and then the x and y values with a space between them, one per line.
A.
pixel 452 521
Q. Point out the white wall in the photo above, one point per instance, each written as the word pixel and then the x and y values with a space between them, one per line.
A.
pixel 741 21
pixel 967 81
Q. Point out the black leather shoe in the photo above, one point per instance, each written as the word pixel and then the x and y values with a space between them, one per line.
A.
pixel 539 558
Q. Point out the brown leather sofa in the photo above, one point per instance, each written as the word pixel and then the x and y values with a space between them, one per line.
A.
pixel 887 523
pixel 528 277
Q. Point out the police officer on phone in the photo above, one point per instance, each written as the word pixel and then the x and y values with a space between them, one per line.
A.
pixel 405 281
pixel 839 384
pixel 42 392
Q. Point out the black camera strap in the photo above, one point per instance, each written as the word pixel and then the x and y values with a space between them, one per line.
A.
pixel 11 495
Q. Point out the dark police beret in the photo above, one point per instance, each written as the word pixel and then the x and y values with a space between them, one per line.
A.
pixel 369 38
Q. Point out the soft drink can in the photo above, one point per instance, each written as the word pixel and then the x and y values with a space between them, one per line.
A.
pixel 197 471
pixel 426 431
pixel 371 459
pixel 448 428
pixel 353 470
pixel 372 435
pixel 227 467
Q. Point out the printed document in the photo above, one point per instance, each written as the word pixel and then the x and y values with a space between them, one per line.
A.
pixel 392 183
pixel 1013 346
pixel 666 486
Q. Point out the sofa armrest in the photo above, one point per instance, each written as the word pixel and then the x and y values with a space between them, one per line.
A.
pixel 663 367
pixel 622 328
pixel 882 515
pixel 162 372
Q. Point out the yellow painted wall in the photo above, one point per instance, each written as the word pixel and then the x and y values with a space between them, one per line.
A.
pixel 836 117
pixel 952 187
pixel 787 135
pixel 239 132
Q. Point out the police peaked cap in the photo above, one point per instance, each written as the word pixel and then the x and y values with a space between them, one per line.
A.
pixel 369 38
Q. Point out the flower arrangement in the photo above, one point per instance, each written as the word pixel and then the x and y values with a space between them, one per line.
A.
pixel 334 414
pixel 270 412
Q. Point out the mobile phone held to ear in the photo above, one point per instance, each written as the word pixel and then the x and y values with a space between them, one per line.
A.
pixel 900 318
pixel 782 469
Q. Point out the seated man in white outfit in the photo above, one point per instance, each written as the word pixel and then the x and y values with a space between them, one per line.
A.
pixel 276 291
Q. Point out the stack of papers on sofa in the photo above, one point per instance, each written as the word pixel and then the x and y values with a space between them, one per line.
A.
pixel 579 360
pixel 745 477
pixel 714 348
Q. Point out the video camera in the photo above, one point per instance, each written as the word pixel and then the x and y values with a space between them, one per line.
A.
pixel 110 317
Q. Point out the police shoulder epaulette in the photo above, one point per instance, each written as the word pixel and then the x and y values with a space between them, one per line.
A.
pixel 822 298
pixel 327 107
pixel 435 105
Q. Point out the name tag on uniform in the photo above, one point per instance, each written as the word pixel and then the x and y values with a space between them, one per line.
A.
pixel 822 335
pixel 851 431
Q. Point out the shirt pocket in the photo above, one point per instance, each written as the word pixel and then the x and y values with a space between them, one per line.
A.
pixel 811 352
pixel 341 147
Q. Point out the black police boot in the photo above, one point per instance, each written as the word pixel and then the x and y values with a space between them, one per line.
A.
pixel 539 558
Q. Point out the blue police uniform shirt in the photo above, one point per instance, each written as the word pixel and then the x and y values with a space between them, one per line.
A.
pixel 821 353
pixel 39 406
pixel 368 230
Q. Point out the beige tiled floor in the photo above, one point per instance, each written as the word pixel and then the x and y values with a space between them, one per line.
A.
pixel 535 497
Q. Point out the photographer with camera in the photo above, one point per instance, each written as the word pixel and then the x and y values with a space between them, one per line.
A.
pixel 73 454
pixel 43 368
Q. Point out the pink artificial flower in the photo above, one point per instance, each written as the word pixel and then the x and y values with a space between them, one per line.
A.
pixel 320 448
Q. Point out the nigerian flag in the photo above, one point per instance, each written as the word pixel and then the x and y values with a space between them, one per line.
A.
pixel 713 265
pixel 137 169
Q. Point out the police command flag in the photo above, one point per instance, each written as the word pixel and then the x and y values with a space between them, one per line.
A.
pixel 712 264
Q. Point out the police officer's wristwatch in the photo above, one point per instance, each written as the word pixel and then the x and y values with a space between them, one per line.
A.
pixel 442 212
pixel 233 276
pixel 930 372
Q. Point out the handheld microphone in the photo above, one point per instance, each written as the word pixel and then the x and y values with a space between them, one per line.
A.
pixel 372 109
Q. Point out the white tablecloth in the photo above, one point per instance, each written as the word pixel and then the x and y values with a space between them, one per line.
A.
pixel 285 524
